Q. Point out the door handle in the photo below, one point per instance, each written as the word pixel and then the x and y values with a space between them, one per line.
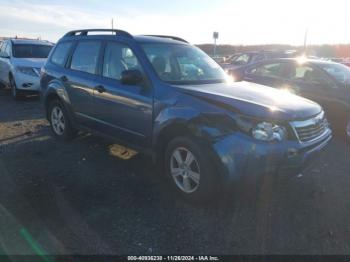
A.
pixel 100 89
pixel 64 78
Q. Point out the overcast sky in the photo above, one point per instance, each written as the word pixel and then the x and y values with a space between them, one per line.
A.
pixel 238 21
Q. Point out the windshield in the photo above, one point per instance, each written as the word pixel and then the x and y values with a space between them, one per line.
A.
pixel 183 64
pixel 31 51
pixel 340 72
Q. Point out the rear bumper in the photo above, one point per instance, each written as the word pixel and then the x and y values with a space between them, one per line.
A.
pixel 241 155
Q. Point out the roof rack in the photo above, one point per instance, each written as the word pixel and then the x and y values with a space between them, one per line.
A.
pixel 171 37
pixel 84 32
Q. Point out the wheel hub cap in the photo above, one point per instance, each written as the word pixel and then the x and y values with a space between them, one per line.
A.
pixel 185 170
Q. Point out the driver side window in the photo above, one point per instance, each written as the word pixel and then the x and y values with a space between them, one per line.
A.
pixel 118 58
pixel 308 74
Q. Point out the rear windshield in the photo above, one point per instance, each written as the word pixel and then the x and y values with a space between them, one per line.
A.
pixel 31 51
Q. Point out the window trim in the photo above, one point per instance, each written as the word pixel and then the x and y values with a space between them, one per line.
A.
pixel 69 61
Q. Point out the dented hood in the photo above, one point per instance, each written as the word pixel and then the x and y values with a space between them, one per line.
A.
pixel 255 100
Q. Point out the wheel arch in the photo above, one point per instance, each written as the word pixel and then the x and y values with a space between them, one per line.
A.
pixel 190 123
pixel 55 91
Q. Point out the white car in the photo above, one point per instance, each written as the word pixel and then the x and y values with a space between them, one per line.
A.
pixel 20 64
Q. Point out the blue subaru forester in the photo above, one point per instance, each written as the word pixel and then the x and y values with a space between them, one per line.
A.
pixel 161 96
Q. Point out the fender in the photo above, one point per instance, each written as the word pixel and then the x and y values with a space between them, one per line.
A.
pixel 56 89
pixel 206 125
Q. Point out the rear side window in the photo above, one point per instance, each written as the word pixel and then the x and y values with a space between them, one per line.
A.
pixel 60 54
pixel 85 57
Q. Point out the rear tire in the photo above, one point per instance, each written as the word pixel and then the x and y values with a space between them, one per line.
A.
pixel 60 123
pixel 190 170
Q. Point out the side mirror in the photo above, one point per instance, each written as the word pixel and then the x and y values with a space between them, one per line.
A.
pixel 131 77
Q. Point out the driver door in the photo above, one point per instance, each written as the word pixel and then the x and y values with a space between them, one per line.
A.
pixel 122 111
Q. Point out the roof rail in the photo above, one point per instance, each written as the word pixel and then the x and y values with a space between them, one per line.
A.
pixel 84 32
pixel 171 37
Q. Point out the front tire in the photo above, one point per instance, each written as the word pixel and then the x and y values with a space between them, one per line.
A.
pixel 190 170
pixel 60 123
pixel 14 91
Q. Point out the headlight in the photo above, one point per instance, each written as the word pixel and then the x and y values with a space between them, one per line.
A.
pixel 269 132
pixel 28 71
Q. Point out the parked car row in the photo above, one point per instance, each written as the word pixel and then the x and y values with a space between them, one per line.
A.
pixel 326 82
pixel 166 98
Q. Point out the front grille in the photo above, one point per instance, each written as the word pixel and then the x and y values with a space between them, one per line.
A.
pixel 311 129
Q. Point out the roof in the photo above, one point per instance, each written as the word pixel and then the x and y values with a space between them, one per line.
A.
pixel 30 42
pixel 157 39
pixel 312 61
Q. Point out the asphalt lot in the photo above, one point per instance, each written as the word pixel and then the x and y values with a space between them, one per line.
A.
pixel 77 198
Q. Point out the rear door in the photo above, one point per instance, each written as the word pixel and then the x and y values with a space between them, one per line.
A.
pixel 124 111
pixel 80 80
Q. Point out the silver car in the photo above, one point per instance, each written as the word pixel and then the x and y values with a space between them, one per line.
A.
pixel 20 64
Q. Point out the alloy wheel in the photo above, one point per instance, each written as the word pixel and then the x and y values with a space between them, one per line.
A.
pixel 184 169
pixel 57 120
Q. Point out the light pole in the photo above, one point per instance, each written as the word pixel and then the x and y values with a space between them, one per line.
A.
pixel 215 36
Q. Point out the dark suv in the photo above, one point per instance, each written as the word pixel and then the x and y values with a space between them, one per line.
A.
pixel 161 96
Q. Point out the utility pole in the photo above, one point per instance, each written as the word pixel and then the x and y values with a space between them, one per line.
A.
pixel 112 26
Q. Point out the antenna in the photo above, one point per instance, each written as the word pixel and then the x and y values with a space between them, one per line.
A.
pixel 112 26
